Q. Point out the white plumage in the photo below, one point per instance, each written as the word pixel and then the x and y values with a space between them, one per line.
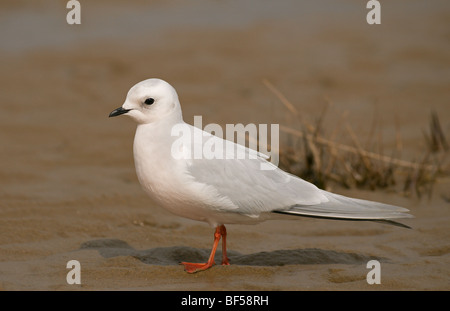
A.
pixel 232 189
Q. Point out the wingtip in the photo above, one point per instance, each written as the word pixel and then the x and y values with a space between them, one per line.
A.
pixel 393 223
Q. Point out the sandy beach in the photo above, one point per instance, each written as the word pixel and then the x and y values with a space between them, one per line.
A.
pixel 68 185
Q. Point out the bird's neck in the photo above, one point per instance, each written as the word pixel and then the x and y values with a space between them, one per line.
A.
pixel 155 139
pixel 152 154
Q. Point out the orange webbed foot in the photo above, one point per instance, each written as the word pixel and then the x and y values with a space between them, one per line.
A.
pixel 190 267
pixel 221 232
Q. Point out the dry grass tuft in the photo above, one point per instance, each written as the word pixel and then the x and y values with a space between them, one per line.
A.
pixel 325 161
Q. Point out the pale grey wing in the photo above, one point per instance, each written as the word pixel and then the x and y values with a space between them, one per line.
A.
pixel 254 191
pixel 251 189
pixel 236 174
pixel 342 207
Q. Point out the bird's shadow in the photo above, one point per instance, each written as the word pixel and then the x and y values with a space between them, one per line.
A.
pixel 109 248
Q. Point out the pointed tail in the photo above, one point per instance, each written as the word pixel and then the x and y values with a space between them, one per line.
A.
pixel 345 208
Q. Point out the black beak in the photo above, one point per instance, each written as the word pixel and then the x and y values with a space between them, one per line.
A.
pixel 118 112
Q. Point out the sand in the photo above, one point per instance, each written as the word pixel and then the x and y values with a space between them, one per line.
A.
pixel 68 187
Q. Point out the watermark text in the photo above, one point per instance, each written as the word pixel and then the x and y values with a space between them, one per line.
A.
pixel 241 142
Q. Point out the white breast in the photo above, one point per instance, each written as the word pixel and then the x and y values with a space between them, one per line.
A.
pixel 165 178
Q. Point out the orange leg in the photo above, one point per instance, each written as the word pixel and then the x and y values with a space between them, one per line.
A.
pixel 196 267
pixel 223 232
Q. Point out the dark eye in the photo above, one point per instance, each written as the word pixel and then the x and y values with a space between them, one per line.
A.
pixel 149 101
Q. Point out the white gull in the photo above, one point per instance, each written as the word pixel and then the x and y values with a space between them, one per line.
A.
pixel 230 190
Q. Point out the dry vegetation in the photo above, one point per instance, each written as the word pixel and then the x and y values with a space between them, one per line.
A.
pixel 324 161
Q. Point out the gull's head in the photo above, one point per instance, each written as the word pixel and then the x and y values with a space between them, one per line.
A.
pixel 150 101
